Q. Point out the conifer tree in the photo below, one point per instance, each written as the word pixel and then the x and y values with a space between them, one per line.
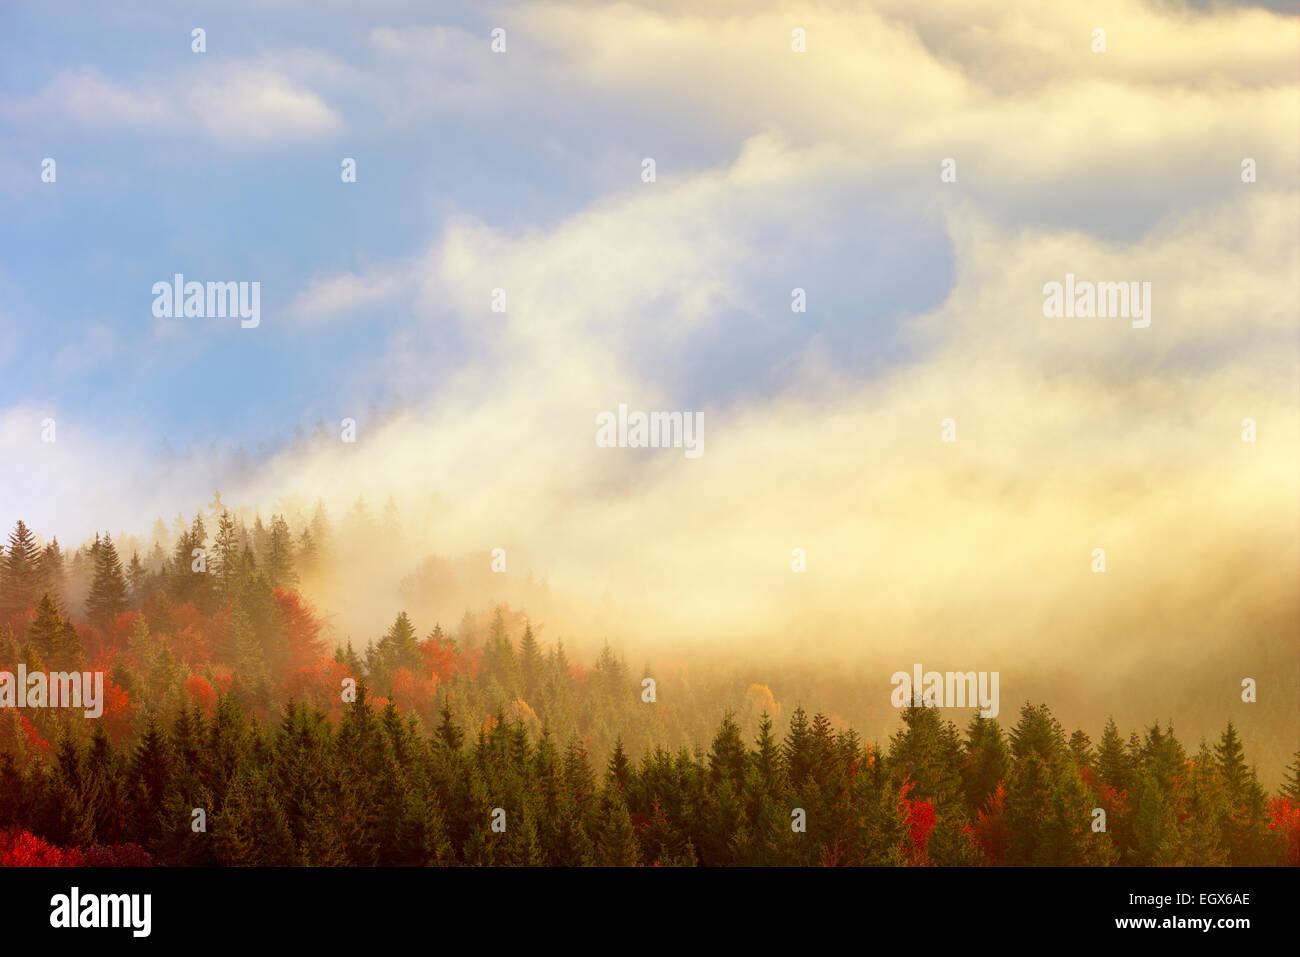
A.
pixel 1038 732
pixel 44 631
pixel 1244 819
pixel 398 648
pixel 19 571
pixel 616 844
pixel 1113 761
pixel 226 557
pixel 52 580
pixel 1200 843
pixel 530 665
pixel 108 590
pixel 135 577
pixel 1081 750
pixel 1291 783
pixel 149 782
pixel 987 763
pixel 278 561
pixel 797 749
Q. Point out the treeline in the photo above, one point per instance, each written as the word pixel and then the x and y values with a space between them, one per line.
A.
pixel 232 736
pixel 227 790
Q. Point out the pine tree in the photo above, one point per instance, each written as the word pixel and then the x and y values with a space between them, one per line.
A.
pixel 1200 842
pixel 1029 800
pixel 728 758
pixel 1067 836
pixel 1081 750
pixel 1155 824
pixel 190 580
pixel 149 780
pixel 769 765
pixel 499 661
pixel 227 554
pixel 797 749
pixel 278 557
pixel 926 752
pixel 1038 732
pixel 50 574
pixel 987 763
pixel 307 556
pixel 321 536
pixel 108 590
pixel 398 648
pixel 19 572
pixel 44 631
pixel 531 665
pixel 1244 820
pixel 1291 784
pixel 135 577
pixel 1113 761
pixel 616 843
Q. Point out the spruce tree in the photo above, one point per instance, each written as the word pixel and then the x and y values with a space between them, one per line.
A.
pixel 1244 819
pixel 1113 761
pixel 50 573
pixel 108 590
pixel 135 577
pixel 44 631
pixel 530 665
pixel 1291 783
pixel 278 557
pixel 987 763
pixel 616 843
pixel 225 561
pixel 19 572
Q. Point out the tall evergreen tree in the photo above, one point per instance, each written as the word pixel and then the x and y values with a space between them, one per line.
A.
pixel 52 579
pixel 987 763
pixel 1291 783
pixel 278 558
pixel 225 560
pixel 531 665
pixel 19 572
pixel 108 590
pixel 1113 760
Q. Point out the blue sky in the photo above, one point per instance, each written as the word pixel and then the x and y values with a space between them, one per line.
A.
pixel 136 202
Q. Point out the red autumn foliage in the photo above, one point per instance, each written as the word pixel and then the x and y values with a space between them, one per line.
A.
pixel 34 739
pixel 413 693
pixel 200 689
pixel 1284 821
pixel 991 831
pixel 319 684
pixel 20 848
pixel 439 658
pixel 23 849
pixel 117 711
pixel 919 816
pixel 191 645
pixel 302 629
pixel 119 630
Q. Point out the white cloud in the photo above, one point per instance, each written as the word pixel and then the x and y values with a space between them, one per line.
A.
pixel 236 104
pixel 327 297
pixel 245 104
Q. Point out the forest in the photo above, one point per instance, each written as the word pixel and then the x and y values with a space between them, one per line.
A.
pixel 234 734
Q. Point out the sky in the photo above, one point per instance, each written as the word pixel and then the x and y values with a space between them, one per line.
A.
pixel 774 170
